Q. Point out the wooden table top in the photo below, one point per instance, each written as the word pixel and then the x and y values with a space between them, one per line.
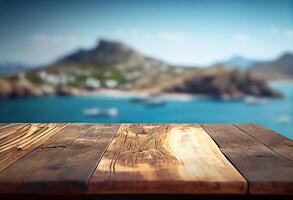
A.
pixel 98 159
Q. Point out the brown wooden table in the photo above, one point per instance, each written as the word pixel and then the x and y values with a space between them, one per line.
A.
pixel 97 160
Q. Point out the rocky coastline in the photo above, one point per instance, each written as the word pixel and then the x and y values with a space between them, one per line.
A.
pixel 23 88
pixel 225 85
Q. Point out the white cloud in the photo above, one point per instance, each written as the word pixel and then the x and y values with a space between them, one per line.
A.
pixel 289 33
pixel 243 38
pixel 172 37
pixel 53 39
pixel 285 32
pixel 164 36
pixel 133 33
pixel 275 30
pixel 45 47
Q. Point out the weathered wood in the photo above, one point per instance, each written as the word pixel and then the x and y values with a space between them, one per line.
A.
pixel 10 129
pixel 59 159
pixel 164 159
pixel 266 171
pixel 278 143
pixel 3 124
pixel 62 165
pixel 17 140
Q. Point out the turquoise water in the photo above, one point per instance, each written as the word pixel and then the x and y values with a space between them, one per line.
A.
pixel 70 109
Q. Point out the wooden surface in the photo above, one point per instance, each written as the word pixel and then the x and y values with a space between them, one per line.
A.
pixel 266 171
pixel 98 159
pixel 68 158
pixel 165 159
pixel 17 140
pixel 278 143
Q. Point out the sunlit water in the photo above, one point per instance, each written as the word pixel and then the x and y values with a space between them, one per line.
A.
pixel 272 113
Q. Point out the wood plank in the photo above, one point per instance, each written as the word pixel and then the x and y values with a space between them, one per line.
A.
pixel 278 143
pixel 17 140
pixel 3 124
pixel 164 159
pixel 11 130
pixel 62 165
pixel 266 171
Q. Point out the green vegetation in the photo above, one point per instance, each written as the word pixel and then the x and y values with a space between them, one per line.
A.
pixel 34 78
pixel 117 76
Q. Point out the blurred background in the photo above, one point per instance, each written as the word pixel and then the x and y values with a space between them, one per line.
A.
pixel 211 61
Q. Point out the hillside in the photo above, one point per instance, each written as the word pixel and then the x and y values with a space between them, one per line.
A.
pixel 108 54
pixel 281 68
pixel 223 83
pixel 110 64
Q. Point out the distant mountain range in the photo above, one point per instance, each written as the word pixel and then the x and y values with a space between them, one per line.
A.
pixel 238 62
pixel 281 68
pixel 12 68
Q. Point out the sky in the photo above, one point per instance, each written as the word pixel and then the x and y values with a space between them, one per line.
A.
pixel 189 32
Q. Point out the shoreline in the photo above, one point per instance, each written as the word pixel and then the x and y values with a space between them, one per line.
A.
pixel 143 93
pixel 117 93
pixel 286 81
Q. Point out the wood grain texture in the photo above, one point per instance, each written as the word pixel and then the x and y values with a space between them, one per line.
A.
pixel 62 165
pixel 164 159
pixel 17 140
pixel 3 124
pixel 266 171
pixel 278 143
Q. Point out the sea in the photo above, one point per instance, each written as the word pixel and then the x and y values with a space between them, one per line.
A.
pixel 276 114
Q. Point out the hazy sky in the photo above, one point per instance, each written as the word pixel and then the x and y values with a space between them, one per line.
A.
pixel 181 32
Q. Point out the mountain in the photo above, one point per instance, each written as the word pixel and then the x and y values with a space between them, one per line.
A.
pixel 109 54
pixel 9 68
pixel 238 62
pixel 111 64
pixel 281 68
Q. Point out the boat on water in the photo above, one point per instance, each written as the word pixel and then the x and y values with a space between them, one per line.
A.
pixel 284 119
pixel 154 102
pixel 139 99
pixel 97 112
pixel 251 100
